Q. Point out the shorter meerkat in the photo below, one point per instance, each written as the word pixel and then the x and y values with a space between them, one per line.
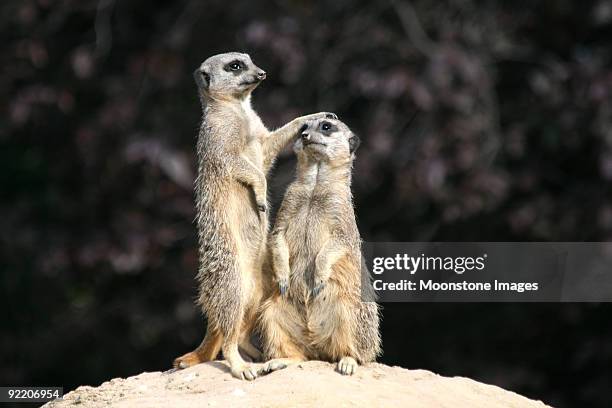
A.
pixel 317 312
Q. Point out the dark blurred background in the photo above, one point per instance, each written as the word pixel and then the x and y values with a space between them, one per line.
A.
pixel 481 121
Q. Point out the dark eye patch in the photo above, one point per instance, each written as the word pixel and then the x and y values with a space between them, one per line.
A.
pixel 235 66
pixel 327 128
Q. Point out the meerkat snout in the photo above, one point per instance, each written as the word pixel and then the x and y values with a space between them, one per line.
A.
pixel 261 75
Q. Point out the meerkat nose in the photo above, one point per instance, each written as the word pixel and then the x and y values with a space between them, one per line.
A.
pixel 261 75
pixel 305 136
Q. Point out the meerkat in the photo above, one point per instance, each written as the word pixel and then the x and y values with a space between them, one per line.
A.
pixel 317 311
pixel 235 152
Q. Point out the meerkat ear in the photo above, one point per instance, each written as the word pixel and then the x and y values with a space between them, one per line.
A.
pixel 202 78
pixel 354 142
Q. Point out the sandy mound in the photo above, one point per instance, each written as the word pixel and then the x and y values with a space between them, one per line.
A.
pixel 308 384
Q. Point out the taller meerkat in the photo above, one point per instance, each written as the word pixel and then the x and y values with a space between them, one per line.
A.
pixel 235 152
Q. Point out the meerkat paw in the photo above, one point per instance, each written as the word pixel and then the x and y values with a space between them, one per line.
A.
pixel 325 115
pixel 245 372
pixel 283 286
pixel 347 366
pixel 186 360
pixel 317 288
pixel 273 365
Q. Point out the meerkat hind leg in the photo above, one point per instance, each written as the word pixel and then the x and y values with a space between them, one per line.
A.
pixel 238 367
pixel 206 351
pixel 278 321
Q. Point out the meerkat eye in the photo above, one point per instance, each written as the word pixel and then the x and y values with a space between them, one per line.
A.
pixel 326 126
pixel 206 77
pixel 235 66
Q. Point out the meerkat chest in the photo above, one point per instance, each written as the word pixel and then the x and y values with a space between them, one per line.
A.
pixel 254 152
pixel 310 226
pixel 253 131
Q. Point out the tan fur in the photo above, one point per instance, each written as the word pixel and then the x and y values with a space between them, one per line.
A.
pixel 315 251
pixel 235 152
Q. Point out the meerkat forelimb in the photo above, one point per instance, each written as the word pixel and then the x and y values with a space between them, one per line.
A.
pixel 246 172
pixel 328 255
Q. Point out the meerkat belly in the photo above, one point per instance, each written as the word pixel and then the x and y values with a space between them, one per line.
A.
pixel 306 235
pixel 245 223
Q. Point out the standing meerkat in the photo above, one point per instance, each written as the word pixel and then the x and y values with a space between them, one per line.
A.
pixel 318 312
pixel 235 152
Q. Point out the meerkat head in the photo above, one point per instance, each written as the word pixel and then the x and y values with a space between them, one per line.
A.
pixel 328 140
pixel 229 75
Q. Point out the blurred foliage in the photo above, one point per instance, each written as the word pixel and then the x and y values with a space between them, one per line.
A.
pixel 481 121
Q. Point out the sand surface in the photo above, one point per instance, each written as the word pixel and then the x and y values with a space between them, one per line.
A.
pixel 311 384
